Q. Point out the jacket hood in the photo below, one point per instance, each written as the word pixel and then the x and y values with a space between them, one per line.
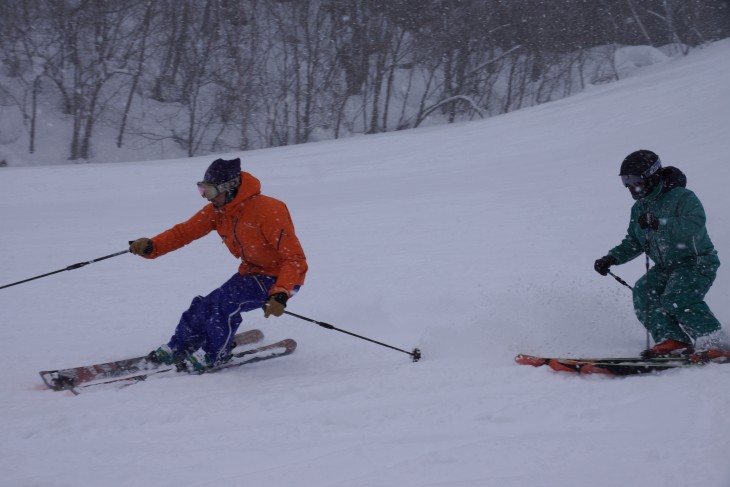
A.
pixel 673 178
pixel 250 186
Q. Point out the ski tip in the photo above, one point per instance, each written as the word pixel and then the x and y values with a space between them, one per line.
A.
pixel 290 344
pixel 248 337
pixel 524 359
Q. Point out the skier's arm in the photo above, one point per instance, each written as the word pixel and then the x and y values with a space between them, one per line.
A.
pixel 629 248
pixel 201 224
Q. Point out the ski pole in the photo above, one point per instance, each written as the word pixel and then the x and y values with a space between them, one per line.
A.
pixel 628 286
pixel 647 247
pixel 69 268
pixel 620 280
pixel 415 354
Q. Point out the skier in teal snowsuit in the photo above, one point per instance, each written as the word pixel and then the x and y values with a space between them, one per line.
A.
pixel 668 223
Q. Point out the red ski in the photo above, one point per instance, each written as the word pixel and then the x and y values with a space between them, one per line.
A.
pixel 610 365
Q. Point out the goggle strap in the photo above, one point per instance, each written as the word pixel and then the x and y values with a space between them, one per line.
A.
pixel 229 185
pixel 654 168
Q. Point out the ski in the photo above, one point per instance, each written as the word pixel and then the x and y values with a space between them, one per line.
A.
pixel 635 368
pixel 64 379
pixel 265 352
pixel 620 366
pixel 536 361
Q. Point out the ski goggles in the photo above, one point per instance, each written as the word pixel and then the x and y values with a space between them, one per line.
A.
pixel 640 179
pixel 631 180
pixel 210 190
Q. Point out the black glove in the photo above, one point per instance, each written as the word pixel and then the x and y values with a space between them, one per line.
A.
pixel 648 220
pixel 275 305
pixel 601 266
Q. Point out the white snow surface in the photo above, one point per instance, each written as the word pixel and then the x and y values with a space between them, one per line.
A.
pixel 473 242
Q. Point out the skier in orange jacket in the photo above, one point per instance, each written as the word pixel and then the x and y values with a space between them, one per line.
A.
pixel 258 230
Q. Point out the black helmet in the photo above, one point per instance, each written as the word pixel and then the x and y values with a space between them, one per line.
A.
pixel 640 172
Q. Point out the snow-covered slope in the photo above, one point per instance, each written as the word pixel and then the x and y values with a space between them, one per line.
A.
pixel 473 242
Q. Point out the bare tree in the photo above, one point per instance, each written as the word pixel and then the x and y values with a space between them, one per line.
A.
pixel 638 21
pixel 200 95
pixel 137 44
pixel 243 74
pixel 23 45
pixel 89 37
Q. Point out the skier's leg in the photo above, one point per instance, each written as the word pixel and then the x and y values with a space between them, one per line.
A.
pixel 683 299
pixel 238 295
pixel 190 331
pixel 661 326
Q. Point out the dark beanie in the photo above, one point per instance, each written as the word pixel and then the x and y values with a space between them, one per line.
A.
pixel 222 170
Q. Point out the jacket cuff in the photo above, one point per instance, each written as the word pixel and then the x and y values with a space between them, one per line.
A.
pixel 277 290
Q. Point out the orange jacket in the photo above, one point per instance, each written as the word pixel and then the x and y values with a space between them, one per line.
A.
pixel 256 229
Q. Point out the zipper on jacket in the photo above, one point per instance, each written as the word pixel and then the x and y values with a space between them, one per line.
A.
pixel 651 244
pixel 658 249
pixel 235 237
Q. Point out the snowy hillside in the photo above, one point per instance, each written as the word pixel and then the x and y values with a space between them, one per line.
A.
pixel 473 242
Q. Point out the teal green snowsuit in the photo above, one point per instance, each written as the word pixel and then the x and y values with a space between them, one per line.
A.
pixel 685 265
